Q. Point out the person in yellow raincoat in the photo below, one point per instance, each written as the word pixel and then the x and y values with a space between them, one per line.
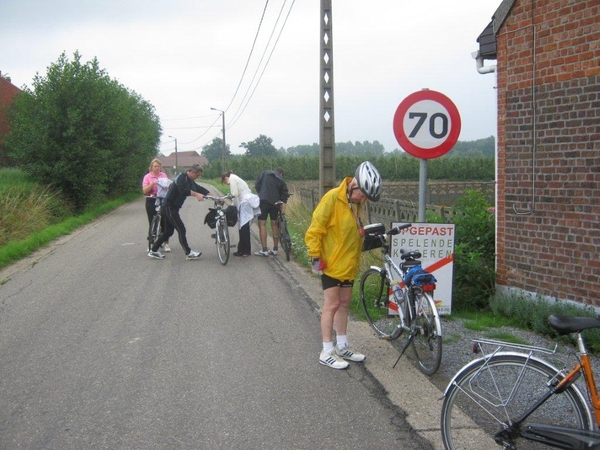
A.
pixel 334 241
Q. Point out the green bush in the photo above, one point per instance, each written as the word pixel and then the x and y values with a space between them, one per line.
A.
pixel 474 252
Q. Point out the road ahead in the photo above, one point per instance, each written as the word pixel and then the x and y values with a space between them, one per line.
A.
pixel 104 348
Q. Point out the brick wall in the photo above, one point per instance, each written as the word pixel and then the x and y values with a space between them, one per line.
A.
pixel 8 92
pixel 548 240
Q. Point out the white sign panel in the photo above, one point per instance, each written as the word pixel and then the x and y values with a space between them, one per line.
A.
pixel 435 242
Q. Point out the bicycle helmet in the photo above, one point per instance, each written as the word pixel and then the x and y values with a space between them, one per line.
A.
pixel 369 180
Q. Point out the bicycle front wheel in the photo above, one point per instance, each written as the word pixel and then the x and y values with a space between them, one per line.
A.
pixel 427 327
pixel 381 314
pixel 223 243
pixel 487 395
pixel 285 239
pixel 154 231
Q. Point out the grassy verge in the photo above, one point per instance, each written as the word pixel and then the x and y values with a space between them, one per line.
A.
pixel 15 250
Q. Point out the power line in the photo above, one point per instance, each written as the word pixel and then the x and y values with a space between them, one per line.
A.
pixel 250 90
pixel 250 55
pixel 267 63
pixel 188 118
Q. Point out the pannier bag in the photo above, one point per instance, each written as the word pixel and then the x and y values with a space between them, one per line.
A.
pixel 417 276
pixel 372 233
pixel 211 218
pixel 232 215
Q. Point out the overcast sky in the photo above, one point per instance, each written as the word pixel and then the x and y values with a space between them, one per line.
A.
pixel 186 56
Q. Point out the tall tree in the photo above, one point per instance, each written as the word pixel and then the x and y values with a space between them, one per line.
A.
pixel 214 150
pixel 261 146
pixel 83 132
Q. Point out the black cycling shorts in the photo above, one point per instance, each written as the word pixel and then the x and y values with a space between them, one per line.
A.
pixel 328 282
pixel 268 209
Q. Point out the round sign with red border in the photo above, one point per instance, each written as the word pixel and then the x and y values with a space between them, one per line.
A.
pixel 427 124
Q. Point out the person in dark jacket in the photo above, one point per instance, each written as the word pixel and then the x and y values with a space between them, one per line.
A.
pixel 182 187
pixel 273 192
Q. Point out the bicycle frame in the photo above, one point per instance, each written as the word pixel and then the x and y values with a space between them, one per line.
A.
pixel 390 268
pixel 406 306
pixel 154 229
pixel 284 235
pixel 553 435
pixel 222 240
pixel 398 297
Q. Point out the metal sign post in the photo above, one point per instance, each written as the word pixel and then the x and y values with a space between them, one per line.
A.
pixel 422 189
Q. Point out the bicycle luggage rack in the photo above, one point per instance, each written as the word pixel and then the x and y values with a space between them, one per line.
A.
pixel 476 346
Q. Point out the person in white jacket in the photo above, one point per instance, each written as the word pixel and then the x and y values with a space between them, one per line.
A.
pixel 248 209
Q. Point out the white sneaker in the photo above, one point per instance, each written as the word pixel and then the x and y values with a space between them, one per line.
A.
pixel 193 255
pixel 349 354
pixel 332 360
pixel 156 254
pixel 261 253
pixel 273 252
pixel 167 248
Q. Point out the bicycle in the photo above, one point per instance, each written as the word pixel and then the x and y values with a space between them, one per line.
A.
pixel 284 235
pixel 393 307
pixel 155 228
pixel 519 400
pixel 221 235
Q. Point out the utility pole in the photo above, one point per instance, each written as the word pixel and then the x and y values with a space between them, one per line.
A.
pixel 326 120
pixel 175 171
pixel 224 151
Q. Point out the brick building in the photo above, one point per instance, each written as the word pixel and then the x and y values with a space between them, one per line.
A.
pixel 8 92
pixel 178 162
pixel 548 163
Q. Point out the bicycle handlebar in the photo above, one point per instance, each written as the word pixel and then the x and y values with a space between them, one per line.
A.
pixel 219 199
pixel 213 197
pixel 398 229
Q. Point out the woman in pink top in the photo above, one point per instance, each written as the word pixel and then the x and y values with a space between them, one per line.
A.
pixel 150 188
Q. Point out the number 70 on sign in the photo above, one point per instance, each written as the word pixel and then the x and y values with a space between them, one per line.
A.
pixel 427 124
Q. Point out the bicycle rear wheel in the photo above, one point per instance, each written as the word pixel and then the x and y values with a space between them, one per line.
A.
pixel 285 239
pixel 222 240
pixel 427 342
pixel 374 288
pixel 154 231
pixel 486 395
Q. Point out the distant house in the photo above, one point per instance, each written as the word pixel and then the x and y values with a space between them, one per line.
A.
pixel 8 92
pixel 548 164
pixel 178 162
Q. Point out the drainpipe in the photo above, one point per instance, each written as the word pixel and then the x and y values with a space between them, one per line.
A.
pixel 480 67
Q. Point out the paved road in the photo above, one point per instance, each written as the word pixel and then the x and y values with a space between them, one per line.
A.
pixel 104 348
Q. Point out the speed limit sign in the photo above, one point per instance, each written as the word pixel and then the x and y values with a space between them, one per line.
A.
pixel 427 124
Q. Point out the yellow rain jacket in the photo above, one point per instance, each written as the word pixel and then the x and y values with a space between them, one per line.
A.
pixel 333 234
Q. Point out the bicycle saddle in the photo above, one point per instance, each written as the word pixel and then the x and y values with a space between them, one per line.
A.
pixel 410 256
pixel 568 324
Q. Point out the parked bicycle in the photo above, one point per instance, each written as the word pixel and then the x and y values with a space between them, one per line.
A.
pixel 155 227
pixel 221 234
pixel 398 298
pixel 518 400
pixel 284 235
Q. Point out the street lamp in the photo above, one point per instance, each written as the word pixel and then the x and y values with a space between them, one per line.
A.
pixel 223 153
pixel 175 153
